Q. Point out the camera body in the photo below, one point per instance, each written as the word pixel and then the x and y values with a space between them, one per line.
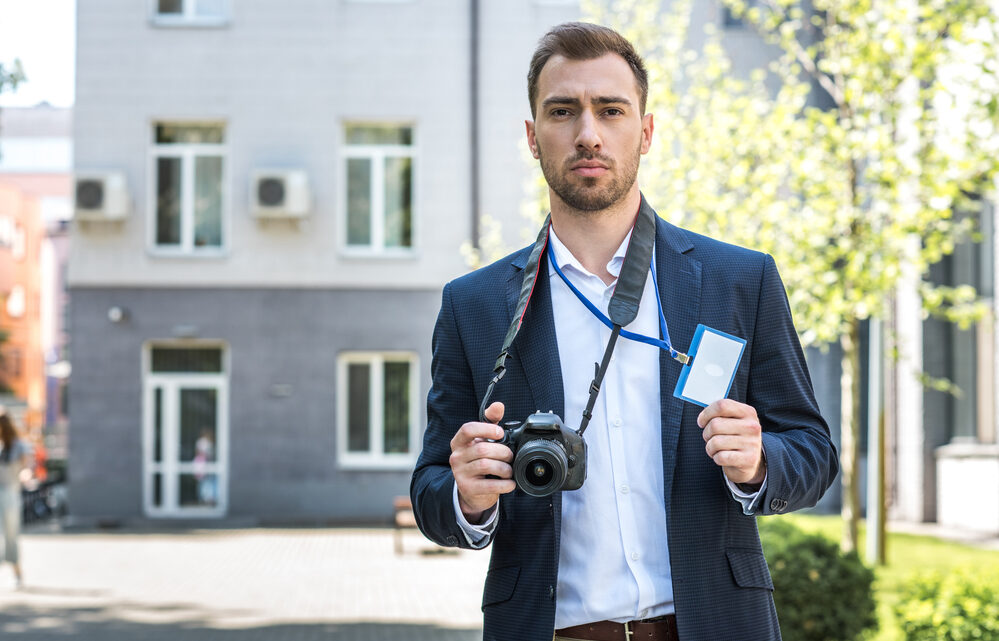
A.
pixel 548 456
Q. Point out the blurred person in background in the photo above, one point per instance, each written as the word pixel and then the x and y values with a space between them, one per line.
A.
pixel 40 469
pixel 15 462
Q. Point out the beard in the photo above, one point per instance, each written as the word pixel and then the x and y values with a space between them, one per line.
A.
pixel 582 193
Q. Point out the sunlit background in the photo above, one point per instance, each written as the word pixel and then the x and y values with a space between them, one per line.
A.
pixel 225 226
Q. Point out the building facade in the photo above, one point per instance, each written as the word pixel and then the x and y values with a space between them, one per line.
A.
pixel 35 182
pixel 233 359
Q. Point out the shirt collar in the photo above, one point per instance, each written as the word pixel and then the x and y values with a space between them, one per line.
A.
pixel 565 259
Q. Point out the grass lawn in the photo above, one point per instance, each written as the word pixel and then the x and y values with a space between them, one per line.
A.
pixel 906 554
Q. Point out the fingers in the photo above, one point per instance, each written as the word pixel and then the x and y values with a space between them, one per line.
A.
pixel 726 408
pixel 733 439
pixel 472 432
pixel 731 427
pixel 480 450
pixel 481 468
pixel 494 413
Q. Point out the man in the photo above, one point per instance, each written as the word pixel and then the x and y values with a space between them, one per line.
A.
pixel 660 542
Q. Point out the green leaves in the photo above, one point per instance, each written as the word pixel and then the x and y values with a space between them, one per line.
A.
pixel 961 605
pixel 11 75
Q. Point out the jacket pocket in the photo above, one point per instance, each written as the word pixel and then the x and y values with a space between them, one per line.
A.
pixel 749 569
pixel 500 584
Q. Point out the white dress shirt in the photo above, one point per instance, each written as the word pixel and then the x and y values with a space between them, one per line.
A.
pixel 613 558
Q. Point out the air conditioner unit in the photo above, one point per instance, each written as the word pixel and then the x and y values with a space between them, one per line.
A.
pixel 279 193
pixel 101 195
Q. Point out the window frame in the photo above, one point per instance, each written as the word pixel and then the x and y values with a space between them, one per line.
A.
pixel 188 153
pixel 374 458
pixel 189 18
pixel 376 248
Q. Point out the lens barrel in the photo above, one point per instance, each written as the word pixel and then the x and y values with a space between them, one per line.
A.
pixel 540 467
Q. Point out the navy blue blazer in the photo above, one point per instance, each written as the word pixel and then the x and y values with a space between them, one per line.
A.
pixel 721 584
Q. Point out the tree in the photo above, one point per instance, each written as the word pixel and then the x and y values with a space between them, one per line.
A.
pixel 10 78
pixel 848 158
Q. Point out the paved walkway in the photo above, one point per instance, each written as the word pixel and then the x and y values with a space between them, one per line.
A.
pixel 245 585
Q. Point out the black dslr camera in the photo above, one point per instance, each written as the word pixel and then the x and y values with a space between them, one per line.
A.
pixel 548 456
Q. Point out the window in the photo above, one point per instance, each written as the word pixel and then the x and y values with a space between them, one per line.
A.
pixel 16 302
pixel 19 247
pixel 190 12
pixel 188 174
pixel 378 163
pixel 377 409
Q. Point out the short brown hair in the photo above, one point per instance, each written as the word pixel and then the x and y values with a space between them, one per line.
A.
pixel 584 41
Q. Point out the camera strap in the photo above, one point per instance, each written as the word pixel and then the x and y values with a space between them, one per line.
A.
pixel 623 306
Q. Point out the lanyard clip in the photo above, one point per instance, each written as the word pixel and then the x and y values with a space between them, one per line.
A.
pixel 681 357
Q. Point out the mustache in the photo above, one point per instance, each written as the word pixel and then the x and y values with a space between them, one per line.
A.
pixel 586 155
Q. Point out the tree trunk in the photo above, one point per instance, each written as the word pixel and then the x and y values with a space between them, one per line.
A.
pixel 849 434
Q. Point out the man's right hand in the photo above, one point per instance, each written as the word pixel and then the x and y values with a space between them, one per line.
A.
pixel 473 459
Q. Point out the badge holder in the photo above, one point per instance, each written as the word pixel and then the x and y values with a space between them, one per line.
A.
pixel 708 377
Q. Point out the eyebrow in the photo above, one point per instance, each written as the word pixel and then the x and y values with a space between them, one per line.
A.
pixel 598 100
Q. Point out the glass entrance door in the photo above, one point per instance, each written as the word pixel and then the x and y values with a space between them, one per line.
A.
pixel 185 444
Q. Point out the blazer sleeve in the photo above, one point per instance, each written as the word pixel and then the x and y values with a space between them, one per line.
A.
pixel 801 459
pixel 450 403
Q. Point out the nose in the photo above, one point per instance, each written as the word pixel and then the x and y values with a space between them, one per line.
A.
pixel 588 135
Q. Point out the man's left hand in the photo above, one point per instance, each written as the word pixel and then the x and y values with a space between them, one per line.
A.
pixel 734 440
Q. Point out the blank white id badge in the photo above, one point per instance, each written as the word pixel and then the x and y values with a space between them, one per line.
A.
pixel 709 376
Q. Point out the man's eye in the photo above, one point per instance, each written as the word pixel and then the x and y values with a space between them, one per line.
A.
pixel 613 111
pixel 560 113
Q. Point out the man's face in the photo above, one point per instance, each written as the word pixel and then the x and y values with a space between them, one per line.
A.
pixel 589 132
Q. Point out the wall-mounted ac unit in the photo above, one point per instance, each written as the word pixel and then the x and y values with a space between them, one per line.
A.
pixel 279 193
pixel 101 195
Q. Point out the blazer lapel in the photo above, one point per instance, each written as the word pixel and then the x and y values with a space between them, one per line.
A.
pixel 679 283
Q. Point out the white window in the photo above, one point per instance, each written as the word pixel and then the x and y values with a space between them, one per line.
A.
pixel 207 13
pixel 185 431
pixel 379 176
pixel 188 176
pixel 377 409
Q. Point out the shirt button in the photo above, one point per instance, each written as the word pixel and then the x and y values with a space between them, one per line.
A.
pixel 634 557
pixel 617 422
pixel 625 489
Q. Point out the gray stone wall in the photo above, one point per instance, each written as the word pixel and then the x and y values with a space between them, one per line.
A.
pixel 282 463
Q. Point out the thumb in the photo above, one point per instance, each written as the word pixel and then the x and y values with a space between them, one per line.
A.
pixel 494 413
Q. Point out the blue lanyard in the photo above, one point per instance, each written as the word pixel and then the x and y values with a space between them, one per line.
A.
pixel 665 344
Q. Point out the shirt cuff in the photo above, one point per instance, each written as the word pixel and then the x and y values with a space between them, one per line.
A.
pixel 478 536
pixel 749 501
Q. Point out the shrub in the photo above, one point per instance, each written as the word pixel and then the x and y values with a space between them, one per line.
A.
pixel 960 606
pixel 821 593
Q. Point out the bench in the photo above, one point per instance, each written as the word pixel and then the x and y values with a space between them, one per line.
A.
pixel 404 518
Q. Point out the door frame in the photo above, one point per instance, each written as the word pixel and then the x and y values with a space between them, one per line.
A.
pixel 170 466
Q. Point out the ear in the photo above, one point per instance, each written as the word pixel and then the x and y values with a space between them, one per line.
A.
pixel 647 127
pixel 531 139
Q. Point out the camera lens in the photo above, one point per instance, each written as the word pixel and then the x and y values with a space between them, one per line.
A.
pixel 540 467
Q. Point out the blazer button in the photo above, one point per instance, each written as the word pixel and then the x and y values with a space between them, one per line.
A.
pixel 451 539
pixel 551 592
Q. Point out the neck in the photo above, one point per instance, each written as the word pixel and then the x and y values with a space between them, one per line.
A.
pixel 593 236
